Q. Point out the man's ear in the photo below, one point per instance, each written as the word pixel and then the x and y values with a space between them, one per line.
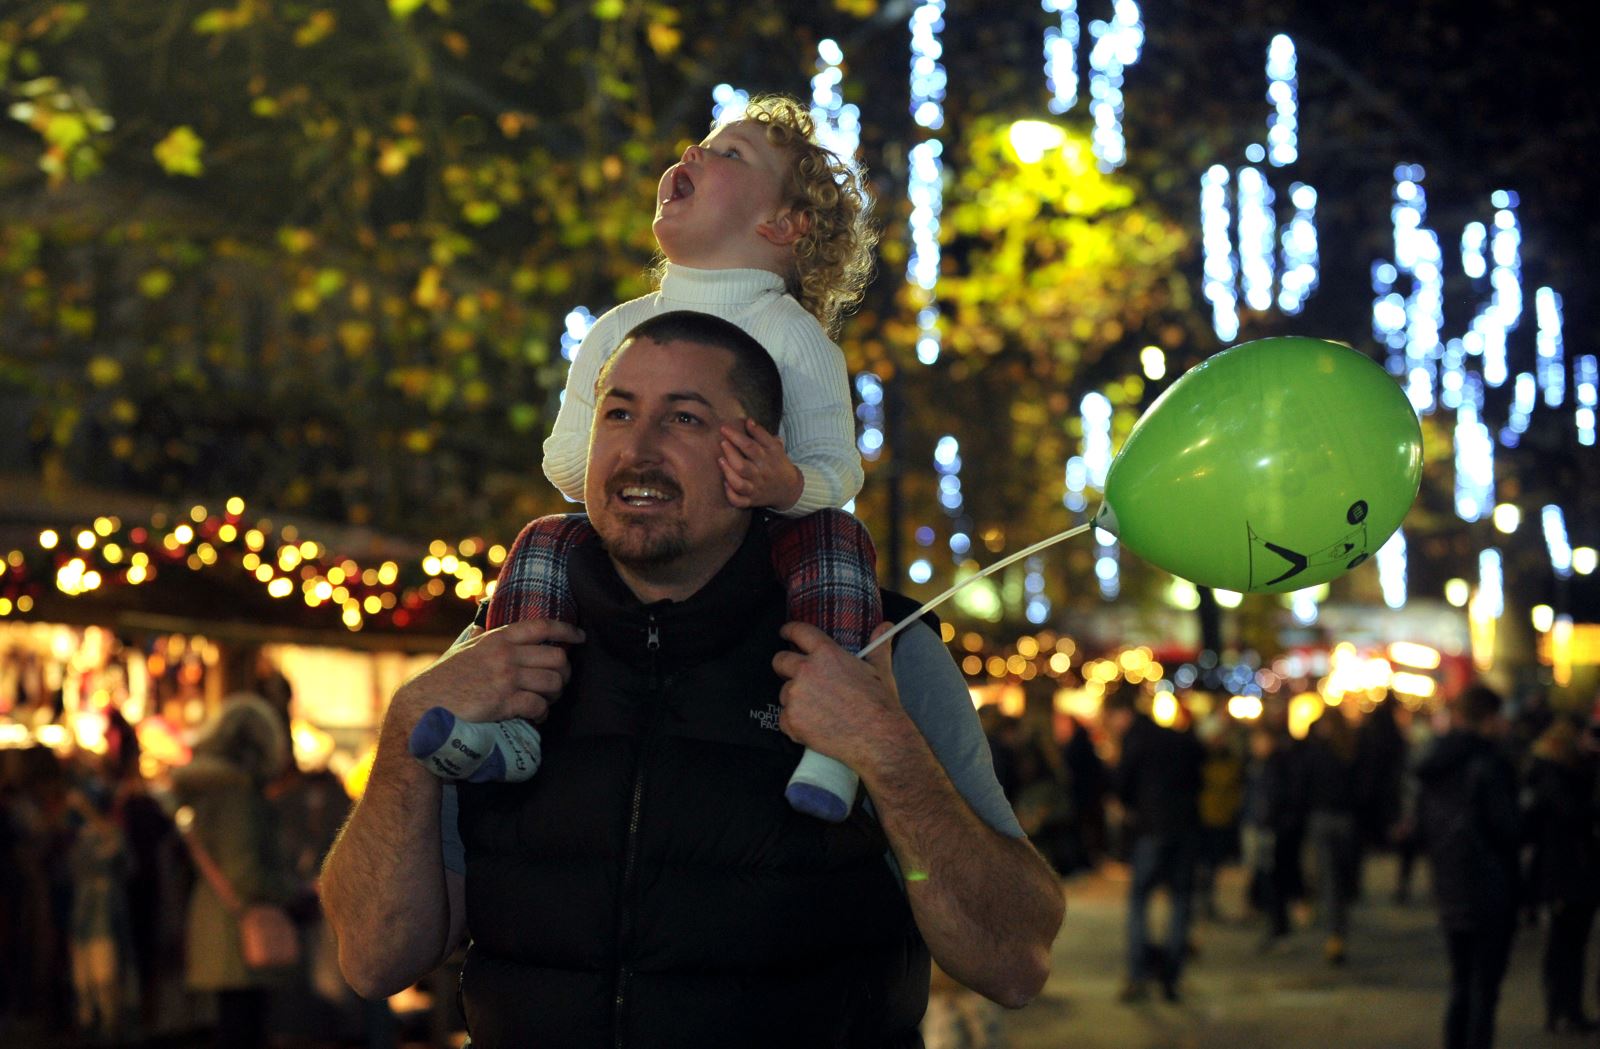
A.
pixel 784 228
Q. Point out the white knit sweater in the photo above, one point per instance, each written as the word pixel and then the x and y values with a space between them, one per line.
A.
pixel 818 428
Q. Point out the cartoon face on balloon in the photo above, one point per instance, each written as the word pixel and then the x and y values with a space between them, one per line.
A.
pixel 1272 466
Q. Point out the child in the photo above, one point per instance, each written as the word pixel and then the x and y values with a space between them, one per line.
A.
pixel 761 226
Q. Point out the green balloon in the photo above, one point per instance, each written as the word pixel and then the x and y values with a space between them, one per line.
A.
pixel 1272 466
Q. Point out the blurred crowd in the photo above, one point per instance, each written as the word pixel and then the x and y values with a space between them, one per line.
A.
pixel 1300 814
pixel 111 933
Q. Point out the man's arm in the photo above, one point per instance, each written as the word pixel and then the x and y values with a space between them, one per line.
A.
pixel 395 910
pixel 987 904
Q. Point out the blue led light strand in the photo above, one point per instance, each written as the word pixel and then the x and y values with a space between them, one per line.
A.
pixel 1061 55
pixel 1391 560
pixel 1555 538
pixel 1217 244
pixel 1117 45
pixel 1257 230
pixel 869 389
pixel 1474 455
pixel 1282 83
pixel 727 102
pixel 838 122
pixel 1551 347
pixel 1587 378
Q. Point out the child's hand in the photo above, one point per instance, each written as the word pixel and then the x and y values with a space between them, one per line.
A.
pixel 755 469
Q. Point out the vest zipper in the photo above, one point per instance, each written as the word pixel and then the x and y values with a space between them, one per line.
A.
pixel 652 645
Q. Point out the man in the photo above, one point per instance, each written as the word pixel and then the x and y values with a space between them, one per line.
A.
pixel 1467 819
pixel 650 885
pixel 1158 783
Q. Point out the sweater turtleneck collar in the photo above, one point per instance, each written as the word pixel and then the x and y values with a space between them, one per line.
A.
pixel 680 284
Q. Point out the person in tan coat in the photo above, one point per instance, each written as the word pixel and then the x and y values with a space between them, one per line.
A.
pixel 223 787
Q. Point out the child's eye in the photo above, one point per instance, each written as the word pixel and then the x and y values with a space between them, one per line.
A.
pixel 617 413
pixel 686 418
pixel 731 151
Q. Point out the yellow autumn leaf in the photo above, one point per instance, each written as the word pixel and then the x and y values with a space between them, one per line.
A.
pixel 179 153
pixel 664 39
pixel 105 371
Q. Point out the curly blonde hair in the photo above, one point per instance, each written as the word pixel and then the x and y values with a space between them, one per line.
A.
pixel 833 260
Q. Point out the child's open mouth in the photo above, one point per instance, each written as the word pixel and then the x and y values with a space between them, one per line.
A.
pixel 679 186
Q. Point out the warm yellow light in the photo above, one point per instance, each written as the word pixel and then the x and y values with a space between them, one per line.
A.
pixel 497 554
pixel 372 604
pixel 1408 684
pixel 25 603
pixel 336 575
pixel 136 574
pixel 1032 139
pixel 1154 362
pixel 1164 709
pixel 1015 664
pixel 1543 617
pixel 996 666
pixel 1182 594
pixel 1060 663
pixel 1583 559
pixel 264 573
pixel 1411 654
pixel 49 539
pixel 449 564
pixel 1458 592
pixel 104 526
pixel 86 540
pixel 972 666
pixel 255 540
pixel 438 548
pixel 53 736
pixel 280 587
pixel 1066 646
pixel 1303 710
pixel 235 506
pixel 5 606
pixel 1245 708
pixel 197 514
pixel 322 589
pixel 1561 651
pixel 1507 516
pixel 112 553
pixel 288 558
pixel 1027 647
pixel 468 547
pixel 207 553
pixel 227 533
pixel 431 565
pixel 1228 598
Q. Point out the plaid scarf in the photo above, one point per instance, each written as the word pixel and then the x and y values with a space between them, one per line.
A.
pixel 825 560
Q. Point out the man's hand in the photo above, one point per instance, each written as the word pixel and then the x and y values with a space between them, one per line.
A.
pixel 756 471
pixel 836 703
pixel 514 671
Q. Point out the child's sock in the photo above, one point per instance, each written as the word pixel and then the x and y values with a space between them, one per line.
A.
pixel 828 566
pixel 533 584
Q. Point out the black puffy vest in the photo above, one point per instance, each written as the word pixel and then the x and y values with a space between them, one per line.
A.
pixel 650 886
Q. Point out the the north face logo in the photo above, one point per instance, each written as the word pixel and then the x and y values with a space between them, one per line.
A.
pixel 768 719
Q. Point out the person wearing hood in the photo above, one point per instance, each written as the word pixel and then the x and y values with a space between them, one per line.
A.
pixel 1467 816
pixel 224 787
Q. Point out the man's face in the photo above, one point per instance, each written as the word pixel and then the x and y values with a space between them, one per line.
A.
pixel 654 488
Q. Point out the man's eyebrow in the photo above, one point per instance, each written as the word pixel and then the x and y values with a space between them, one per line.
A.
pixel 677 395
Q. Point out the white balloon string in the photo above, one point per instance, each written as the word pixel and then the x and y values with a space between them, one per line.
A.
pixel 991 570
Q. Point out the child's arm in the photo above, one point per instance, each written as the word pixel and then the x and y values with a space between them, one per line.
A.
pixel 819 426
pixel 566 450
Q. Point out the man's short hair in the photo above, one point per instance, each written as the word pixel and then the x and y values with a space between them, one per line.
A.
pixel 1477 704
pixel 754 376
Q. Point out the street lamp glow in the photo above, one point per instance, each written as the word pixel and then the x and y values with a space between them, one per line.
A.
pixel 1457 592
pixel 1543 616
pixel 1032 139
pixel 1154 362
pixel 1583 560
pixel 1507 517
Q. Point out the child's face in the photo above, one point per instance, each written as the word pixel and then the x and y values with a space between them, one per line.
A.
pixel 712 206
